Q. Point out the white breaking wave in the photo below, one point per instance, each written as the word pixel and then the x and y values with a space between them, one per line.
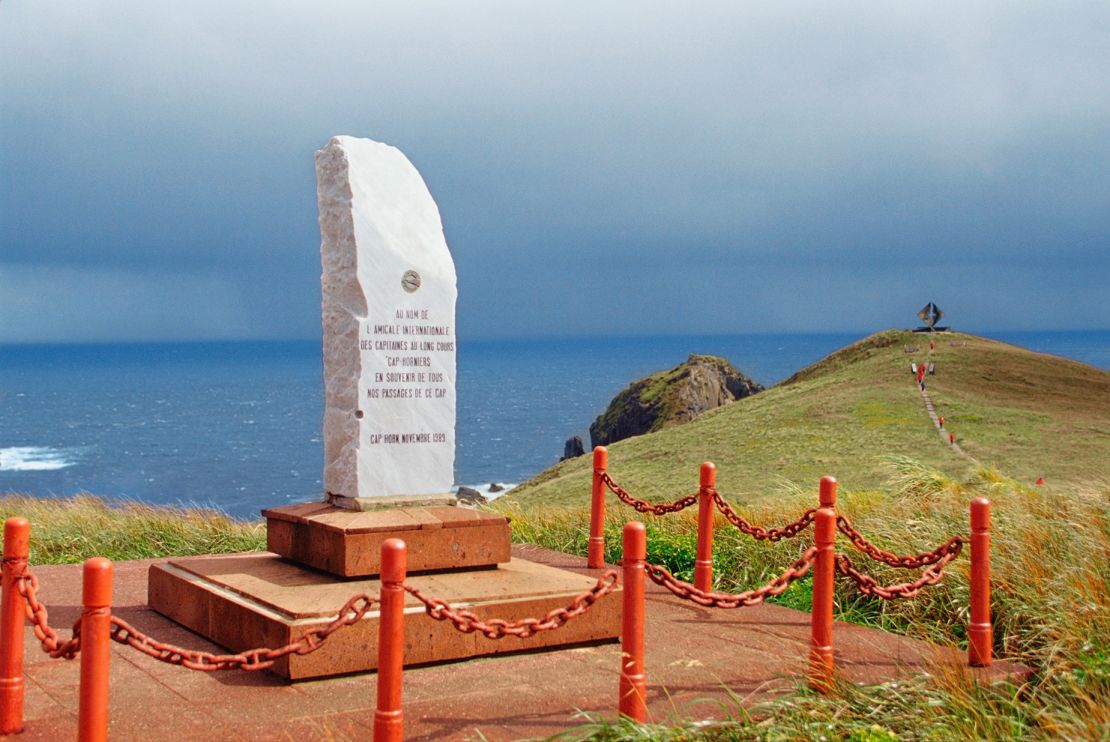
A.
pixel 484 489
pixel 34 458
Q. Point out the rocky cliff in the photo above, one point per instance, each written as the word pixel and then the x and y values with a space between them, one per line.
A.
pixel 671 398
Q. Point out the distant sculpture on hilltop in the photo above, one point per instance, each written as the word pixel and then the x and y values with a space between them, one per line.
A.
pixel 930 314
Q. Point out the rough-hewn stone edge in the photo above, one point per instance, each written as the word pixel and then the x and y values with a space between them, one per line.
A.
pixel 343 302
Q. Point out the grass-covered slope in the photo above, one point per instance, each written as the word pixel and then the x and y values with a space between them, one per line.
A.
pixel 76 528
pixel 859 415
pixel 1029 414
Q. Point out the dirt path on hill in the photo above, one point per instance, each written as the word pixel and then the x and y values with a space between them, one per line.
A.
pixel 930 408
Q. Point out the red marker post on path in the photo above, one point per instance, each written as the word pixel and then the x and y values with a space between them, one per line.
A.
pixel 633 683
pixel 703 563
pixel 595 550
pixel 821 664
pixel 979 634
pixel 388 717
pixel 17 542
pixel 96 651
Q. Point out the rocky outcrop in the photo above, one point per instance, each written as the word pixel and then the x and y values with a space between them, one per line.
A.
pixel 573 447
pixel 671 398
pixel 471 495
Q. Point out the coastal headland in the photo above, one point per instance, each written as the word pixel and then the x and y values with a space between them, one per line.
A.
pixel 850 414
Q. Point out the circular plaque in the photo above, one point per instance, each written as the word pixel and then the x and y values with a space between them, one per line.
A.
pixel 410 281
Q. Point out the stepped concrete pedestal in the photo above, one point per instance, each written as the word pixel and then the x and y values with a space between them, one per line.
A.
pixel 243 601
pixel 321 555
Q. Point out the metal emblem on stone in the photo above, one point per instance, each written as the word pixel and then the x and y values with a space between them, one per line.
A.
pixel 410 282
pixel 389 349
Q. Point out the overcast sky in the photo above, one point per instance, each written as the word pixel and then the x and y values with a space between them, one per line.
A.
pixel 601 168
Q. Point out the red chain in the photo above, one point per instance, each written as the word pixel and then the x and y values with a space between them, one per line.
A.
pixel 28 586
pixel 646 507
pixel 497 628
pixel 951 546
pixel 869 586
pixel 263 657
pixel 124 633
pixel 777 586
pixel 790 530
pixel 252 659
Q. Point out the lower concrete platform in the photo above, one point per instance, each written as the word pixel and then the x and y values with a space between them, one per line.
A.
pixel 244 601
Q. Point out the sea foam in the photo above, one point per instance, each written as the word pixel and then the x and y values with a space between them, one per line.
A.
pixel 34 458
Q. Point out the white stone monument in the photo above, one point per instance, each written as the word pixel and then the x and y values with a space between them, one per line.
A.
pixel 389 433
pixel 389 295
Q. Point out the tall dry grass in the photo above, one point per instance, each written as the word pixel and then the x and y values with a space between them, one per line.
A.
pixel 1050 603
pixel 73 529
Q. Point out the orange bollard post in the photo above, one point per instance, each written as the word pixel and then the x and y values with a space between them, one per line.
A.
pixel 826 494
pixel 96 651
pixel 979 634
pixel 703 562
pixel 633 683
pixel 595 551
pixel 821 664
pixel 17 541
pixel 388 718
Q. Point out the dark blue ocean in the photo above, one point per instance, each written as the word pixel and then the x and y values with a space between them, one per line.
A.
pixel 236 426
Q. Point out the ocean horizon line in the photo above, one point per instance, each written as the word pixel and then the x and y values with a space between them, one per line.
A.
pixel 988 333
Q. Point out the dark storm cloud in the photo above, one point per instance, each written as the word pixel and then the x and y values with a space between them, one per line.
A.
pixel 613 169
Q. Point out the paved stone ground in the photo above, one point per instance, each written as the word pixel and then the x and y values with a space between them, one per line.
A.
pixel 697 659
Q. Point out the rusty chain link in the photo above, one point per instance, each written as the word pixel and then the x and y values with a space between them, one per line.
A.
pixel 497 628
pixel 868 585
pixel 790 530
pixel 905 562
pixel 252 659
pixel 777 586
pixel 646 507
pixel 28 585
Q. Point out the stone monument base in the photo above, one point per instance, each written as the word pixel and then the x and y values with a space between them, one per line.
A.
pixel 243 601
pixel 348 543
pixel 395 501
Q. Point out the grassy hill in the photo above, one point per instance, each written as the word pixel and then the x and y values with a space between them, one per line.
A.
pixel 859 415
pixel 1027 414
